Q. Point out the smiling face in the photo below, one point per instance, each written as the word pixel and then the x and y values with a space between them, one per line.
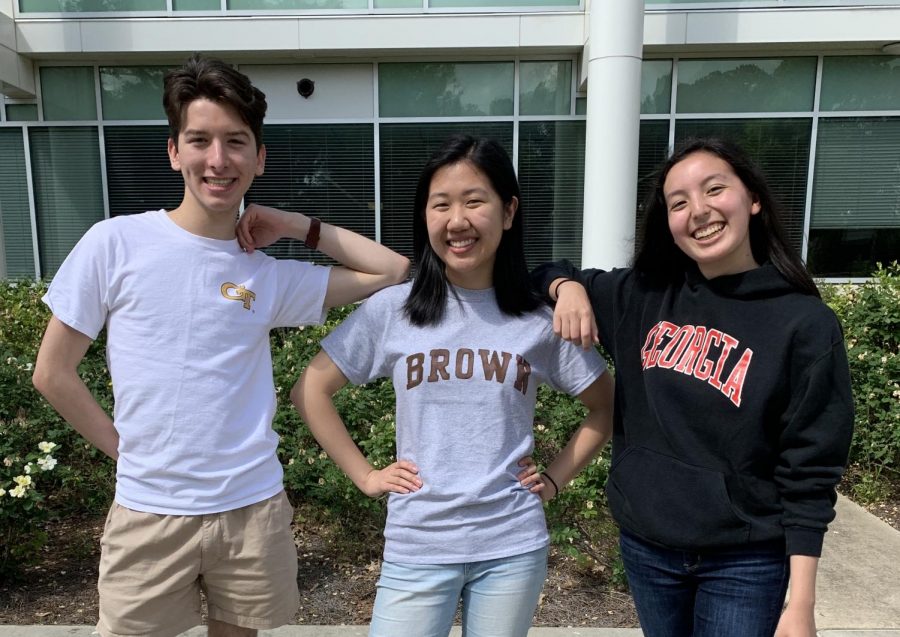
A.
pixel 466 218
pixel 217 156
pixel 709 211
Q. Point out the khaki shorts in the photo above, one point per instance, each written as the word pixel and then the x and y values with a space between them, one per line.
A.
pixel 152 569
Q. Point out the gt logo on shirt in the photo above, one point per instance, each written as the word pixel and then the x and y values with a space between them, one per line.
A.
pixel 689 349
pixel 236 292
pixel 494 366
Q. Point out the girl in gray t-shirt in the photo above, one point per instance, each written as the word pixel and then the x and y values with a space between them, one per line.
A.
pixel 466 345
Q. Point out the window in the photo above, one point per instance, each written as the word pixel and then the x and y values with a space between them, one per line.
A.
pixel 545 88
pixel 15 215
pixel 445 89
pixel 67 93
pixel 132 92
pixel 138 174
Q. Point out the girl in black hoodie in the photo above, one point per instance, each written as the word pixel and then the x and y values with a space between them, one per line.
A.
pixel 733 411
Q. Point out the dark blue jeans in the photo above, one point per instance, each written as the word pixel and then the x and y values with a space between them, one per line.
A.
pixel 735 592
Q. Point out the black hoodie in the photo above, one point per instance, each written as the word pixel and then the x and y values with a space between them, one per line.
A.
pixel 733 412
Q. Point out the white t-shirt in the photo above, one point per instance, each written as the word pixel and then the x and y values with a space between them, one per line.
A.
pixel 188 322
pixel 465 410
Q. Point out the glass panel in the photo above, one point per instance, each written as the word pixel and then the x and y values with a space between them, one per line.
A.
pixel 85 6
pixel 132 92
pixel 503 3
pixel 857 180
pixel 67 93
pixel 324 170
pixel 867 82
pixel 851 252
pixel 445 89
pixel 138 174
pixel 21 112
pixel 551 177
pixel 398 4
pixel 14 210
pixel 67 189
pixel 653 149
pixel 545 88
pixel 268 5
pixel 581 106
pixel 196 5
pixel 656 86
pixel 780 147
pixel 746 86
pixel 404 150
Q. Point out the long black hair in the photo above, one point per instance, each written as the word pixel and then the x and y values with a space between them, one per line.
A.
pixel 512 286
pixel 662 260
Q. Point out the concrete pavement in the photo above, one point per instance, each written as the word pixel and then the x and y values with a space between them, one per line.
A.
pixel 858 591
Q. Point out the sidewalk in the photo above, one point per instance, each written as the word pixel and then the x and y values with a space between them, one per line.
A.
pixel 858 591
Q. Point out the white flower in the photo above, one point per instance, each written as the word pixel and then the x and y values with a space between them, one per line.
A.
pixel 13 285
pixel 589 504
pixel 17 492
pixel 47 463
pixel 2 492
pixel 22 481
pixel 28 367
pixel 7 461
pixel 47 447
pixel 28 468
pixel 321 480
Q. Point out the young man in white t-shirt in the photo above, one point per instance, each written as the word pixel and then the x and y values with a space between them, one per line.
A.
pixel 188 303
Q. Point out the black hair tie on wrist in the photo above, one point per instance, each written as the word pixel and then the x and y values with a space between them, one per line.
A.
pixel 552 481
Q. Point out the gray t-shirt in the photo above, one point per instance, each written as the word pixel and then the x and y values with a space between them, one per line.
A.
pixel 465 408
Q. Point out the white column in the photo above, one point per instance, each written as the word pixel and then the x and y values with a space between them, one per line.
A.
pixel 614 48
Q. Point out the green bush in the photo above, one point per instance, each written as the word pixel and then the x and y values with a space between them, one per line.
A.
pixel 83 480
pixel 870 315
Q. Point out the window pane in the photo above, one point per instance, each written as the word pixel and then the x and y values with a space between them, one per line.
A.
pixel 502 3
pixel 132 92
pixel 268 5
pixel 780 147
pixel 84 6
pixel 322 170
pixel 746 86
pixel 867 82
pixel 404 150
pixel 21 112
pixel 653 149
pixel 398 4
pixel 138 174
pixel 445 89
pixel 545 88
pixel 67 93
pixel 855 218
pixel 581 106
pixel 14 211
pixel 551 176
pixel 656 86
pixel 196 5
pixel 67 189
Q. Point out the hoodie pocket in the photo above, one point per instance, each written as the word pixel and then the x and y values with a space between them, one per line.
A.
pixel 671 503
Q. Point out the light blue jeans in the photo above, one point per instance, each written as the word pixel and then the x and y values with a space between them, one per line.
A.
pixel 498 597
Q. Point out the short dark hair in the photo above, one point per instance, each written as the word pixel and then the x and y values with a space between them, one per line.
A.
pixel 662 260
pixel 512 286
pixel 208 78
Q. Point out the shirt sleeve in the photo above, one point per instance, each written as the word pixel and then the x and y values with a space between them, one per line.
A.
pixel 79 293
pixel 301 293
pixel 357 345
pixel 815 443
pixel 574 369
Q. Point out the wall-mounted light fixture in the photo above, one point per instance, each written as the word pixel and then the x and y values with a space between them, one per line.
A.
pixel 305 87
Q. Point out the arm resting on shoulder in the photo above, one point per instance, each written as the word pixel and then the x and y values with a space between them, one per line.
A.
pixel 368 265
pixel 594 432
pixel 56 377
pixel 312 396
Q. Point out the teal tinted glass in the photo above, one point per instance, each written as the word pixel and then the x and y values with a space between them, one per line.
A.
pixel 865 82
pixel 746 86
pixel 656 86
pixel 545 88
pixel 21 112
pixel 67 93
pixel 502 3
pixel 398 4
pixel 581 106
pixel 445 89
pixel 17 242
pixel 132 92
pixel 264 5
pixel 196 5
pixel 68 192
pixel 86 6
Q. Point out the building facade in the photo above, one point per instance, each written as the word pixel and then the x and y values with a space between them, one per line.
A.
pixel 587 98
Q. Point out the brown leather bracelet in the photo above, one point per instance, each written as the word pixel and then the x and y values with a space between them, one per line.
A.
pixel 312 235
